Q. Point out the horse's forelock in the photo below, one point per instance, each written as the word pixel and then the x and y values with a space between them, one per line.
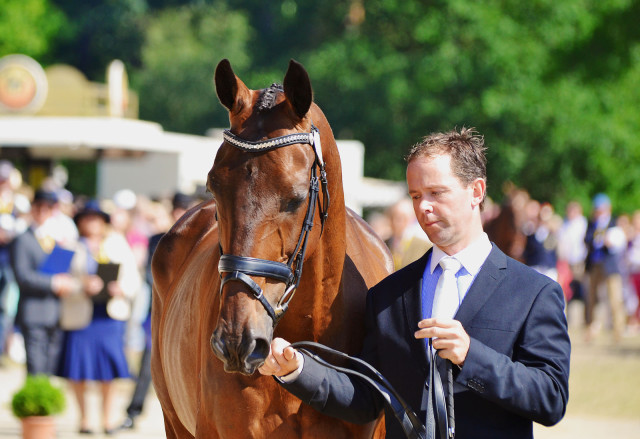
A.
pixel 268 96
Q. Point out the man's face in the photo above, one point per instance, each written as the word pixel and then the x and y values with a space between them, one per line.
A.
pixel 41 211
pixel 443 206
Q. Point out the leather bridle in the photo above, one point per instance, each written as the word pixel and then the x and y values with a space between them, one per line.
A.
pixel 240 268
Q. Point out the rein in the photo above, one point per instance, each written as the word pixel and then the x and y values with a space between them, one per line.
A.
pixel 440 412
pixel 239 268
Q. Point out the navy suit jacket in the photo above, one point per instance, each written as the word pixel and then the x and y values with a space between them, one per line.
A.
pixel 38 304
pixel 516 370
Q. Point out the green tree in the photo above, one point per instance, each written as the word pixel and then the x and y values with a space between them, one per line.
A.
pixel 27 26
pixel 183 47
pixel 98 32
pixel 523 74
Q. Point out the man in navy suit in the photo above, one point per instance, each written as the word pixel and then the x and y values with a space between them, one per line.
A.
pixel 39 303
pixel 507 337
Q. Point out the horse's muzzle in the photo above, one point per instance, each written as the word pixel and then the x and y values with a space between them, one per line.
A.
pixel 243 355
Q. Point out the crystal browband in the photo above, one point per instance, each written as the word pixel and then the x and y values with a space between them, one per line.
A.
pixel 265 145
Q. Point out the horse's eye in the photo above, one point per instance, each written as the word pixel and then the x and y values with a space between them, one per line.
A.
pixel 291 205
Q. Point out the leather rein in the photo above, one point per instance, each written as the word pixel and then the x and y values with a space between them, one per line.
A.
pixel 240 268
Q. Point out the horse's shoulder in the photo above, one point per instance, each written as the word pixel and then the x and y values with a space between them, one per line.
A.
pixel 197 225
pixel 364 245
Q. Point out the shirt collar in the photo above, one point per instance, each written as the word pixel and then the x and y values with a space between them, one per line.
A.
pixel 472 257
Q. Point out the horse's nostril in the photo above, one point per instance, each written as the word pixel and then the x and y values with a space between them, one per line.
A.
pixel 259 353
pixel 218 347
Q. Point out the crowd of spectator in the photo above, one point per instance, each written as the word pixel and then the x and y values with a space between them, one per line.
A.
pixel 591 252
pixel 75 284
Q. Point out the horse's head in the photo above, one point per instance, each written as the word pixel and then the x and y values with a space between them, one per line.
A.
pixel 269 183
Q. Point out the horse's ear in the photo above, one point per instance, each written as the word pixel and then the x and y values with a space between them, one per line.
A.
pixel 230 89
pixel 297 88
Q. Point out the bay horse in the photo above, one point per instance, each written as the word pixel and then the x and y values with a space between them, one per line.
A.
pixel 220 287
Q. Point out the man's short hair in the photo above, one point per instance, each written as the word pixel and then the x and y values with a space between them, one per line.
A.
pixel 466 149
pixel 45 197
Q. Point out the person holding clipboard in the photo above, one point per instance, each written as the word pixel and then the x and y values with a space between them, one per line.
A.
pixel 95 319
pixel 40 267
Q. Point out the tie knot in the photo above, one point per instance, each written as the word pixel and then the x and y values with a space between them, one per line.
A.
pixel 450 264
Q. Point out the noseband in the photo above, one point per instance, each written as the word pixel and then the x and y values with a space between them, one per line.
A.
pixel 239 268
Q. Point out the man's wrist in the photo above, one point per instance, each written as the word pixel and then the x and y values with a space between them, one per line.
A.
pixel 292 376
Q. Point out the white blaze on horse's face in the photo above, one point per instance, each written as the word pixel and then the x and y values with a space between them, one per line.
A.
pixel 265 183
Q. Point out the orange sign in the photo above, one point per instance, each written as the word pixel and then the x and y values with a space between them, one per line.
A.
pixel 23 84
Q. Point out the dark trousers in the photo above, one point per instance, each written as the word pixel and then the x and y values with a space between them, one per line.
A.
pixel 43 346
pixel 142 384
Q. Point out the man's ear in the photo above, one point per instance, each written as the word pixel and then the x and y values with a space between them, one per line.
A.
pixel 479 187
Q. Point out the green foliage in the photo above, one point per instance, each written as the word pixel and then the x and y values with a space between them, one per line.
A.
pixel 84 176
pixel 557 121
pixel 98 32
pixel 183 46
pixel 27 26
pixel 38 397
pixel 553 86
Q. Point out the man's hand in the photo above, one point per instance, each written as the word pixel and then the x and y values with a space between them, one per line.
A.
pixel 92 284
pixel 282 360
pixel 62 284
pixel 449 338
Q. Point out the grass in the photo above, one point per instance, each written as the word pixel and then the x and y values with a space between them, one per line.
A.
pixel 605 378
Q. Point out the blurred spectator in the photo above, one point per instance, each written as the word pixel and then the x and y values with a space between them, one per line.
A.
pixel 408 241
pixel 8 226
pixel 61 221
pixel 540 252
pixel 127 220
pixel 633 261
pixel 572 249
pixel 180 204
pixel 94 342
pixel 605 244
pixel 380 224
pixel 505 228
pixel 39 305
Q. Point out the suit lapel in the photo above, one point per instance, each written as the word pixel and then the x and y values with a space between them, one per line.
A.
pixel 412 299
pixel 484 285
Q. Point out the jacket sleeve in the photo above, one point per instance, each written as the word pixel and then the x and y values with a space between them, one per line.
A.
pixel 31 281
pixel 533 382
pixel 335 393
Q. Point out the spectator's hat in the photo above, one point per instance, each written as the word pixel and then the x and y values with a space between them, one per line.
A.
pixel 91 207
pixel 45 196
pixel 181 201
pixel 601 200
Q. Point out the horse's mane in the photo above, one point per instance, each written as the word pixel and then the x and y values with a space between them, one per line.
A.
pixel 267 98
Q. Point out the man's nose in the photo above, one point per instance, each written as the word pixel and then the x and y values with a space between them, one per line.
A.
pixel 426 206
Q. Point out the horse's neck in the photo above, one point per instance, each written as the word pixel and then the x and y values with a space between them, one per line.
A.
pixel 322 271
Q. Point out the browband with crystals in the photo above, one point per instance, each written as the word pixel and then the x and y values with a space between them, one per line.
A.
pixel 263 145
pixel 312 138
